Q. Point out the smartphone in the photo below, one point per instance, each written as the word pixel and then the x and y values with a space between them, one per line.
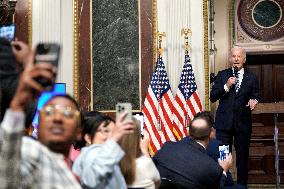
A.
pixel 139 116
pixel 124 107
pixel 8 32
pixel 47 53
pixel 224 150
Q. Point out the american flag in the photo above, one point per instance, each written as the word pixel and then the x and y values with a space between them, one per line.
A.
pixel 187 102
pixel 157 109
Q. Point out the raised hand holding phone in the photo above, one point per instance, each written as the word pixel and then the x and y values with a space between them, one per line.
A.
pixel 47 53
pixel 28 88
pixel 122 127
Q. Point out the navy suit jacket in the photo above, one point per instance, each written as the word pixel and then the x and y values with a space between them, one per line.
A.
pixel 232 110
pixel 189 166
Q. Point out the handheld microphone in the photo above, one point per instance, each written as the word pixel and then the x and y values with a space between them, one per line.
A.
pixel 236 72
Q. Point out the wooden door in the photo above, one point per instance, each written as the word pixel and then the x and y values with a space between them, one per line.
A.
pixel 270 73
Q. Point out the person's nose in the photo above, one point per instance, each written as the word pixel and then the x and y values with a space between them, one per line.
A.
pixel 238 59
pixel 58 117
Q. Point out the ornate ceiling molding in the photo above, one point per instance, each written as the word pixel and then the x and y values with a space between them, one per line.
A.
pixel 259 25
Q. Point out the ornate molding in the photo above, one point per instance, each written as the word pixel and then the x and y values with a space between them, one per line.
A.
pixel 241 37
pixel 75 48
pixel 231 8
pixel 7 10
pixel 259 28
pixel 155 30
pixel 30 25
pixel 206 54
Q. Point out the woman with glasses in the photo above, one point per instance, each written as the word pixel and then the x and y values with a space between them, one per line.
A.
pixel 97 166
pixel 91 122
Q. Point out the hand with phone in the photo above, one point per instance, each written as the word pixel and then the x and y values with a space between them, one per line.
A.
pixel 28 88
pixel 224 150
pixel 122 127
pixel 144 144
pixel 227 163
pixel 47 53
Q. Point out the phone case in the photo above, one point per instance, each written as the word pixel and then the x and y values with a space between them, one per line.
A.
pixel 124 107
pixel 47 53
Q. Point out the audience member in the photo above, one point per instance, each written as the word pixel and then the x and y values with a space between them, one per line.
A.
pixel 213 146
pixel 89 129
pixel 137 168
pixel 189 165
pixel 27 163
pixel 13 57
pixel 98 164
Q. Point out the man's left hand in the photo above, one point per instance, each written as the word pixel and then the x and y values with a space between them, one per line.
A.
pixel 252 103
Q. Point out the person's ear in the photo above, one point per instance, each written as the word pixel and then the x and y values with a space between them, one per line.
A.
pixel 88 139
pixel 212 134
pixel 78 134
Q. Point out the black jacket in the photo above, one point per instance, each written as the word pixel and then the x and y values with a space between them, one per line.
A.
pixel 232 109
pixel 189 166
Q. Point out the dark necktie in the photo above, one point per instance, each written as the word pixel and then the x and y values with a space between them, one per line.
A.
pixel 237 86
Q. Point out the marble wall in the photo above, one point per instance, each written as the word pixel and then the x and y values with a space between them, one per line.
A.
pixel 115 53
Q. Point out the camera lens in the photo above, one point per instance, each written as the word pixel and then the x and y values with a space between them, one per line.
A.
pixel 45 47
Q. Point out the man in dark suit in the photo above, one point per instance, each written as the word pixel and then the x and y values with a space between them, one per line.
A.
pixel 213 146
pixel 238 93
pixel 188 165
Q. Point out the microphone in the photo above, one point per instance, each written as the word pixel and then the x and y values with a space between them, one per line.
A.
pixel 236 72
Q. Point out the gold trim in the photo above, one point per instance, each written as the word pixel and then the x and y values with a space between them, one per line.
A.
pixel 91 106
pixel 232 5
pixel 187 33
pixel 140 56
pixel 232 32
pixel 75 48
pixel 155 30
pixel 30 25
pixel 206 55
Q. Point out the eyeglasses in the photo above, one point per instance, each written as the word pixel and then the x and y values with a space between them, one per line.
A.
pixel 104 128
pixel 67 111
pixel 104 131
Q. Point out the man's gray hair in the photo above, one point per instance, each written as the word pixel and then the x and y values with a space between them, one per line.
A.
pixel 243 50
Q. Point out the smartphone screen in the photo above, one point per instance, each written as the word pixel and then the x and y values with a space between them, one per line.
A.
pixel 224 150
pixel 8 32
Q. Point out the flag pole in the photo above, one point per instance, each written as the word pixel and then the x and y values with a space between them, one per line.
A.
pixel 187 33
pixel 160 36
